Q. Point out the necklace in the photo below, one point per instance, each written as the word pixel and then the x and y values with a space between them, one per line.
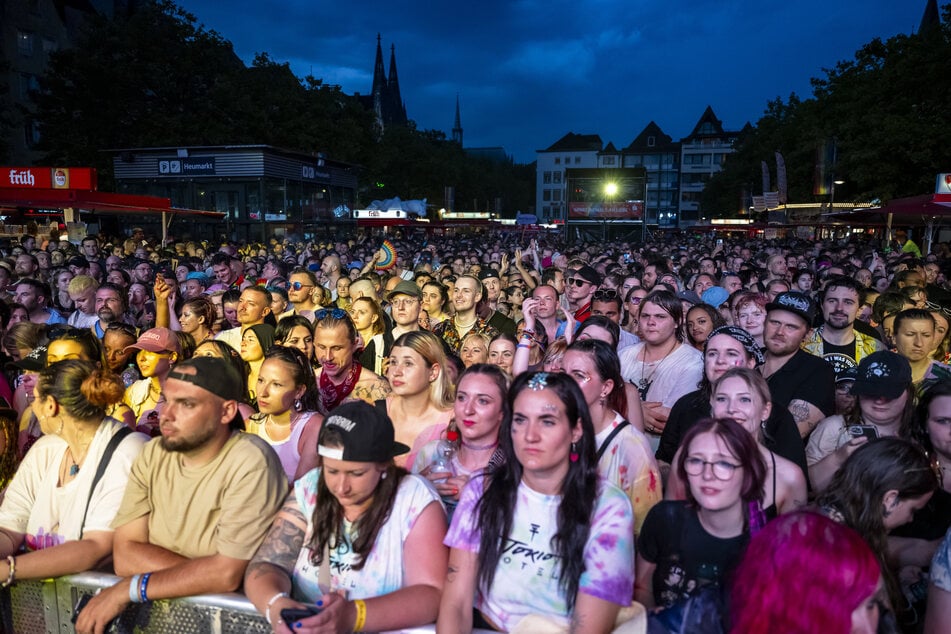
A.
pixel 646 381
pixel 469 445
pixel 74 467
pixel 465 326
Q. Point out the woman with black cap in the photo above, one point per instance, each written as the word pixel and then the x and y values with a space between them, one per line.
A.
pixel 359 540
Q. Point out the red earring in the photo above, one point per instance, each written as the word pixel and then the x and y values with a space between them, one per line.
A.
pixel 573 456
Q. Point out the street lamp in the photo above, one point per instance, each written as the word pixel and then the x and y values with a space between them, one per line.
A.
pixel 610 189
pixel 832 194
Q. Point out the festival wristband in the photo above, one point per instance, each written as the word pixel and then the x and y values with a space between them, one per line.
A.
pixel 361 607
pixel 143 588
pixel 134 589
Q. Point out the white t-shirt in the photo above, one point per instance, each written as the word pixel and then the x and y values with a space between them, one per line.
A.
pixel 50 515
pixel 670 378
pixel 382 571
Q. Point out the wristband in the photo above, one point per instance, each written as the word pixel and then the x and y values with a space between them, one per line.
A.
pixel 270 602
pixel 144 586
pixel 361 607
pixel 524 345
pixel 134 588
pixel 12 574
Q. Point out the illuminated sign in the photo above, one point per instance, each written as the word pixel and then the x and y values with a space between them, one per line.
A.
pixel 48 177
pixel 600 211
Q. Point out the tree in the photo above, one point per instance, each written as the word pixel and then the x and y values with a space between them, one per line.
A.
pixel 887 110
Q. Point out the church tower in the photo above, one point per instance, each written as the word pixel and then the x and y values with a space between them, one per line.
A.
pixel 385 99
pixel 457 126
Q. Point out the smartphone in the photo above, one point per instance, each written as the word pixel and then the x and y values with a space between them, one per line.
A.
pixel 81 603
pixel 869 431
pixel 293 615
pixel 719 241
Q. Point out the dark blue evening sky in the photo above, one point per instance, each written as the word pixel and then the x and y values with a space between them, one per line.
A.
pixel 528 71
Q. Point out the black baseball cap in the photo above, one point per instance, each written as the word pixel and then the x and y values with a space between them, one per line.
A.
pixel 883 373
pixel 365 431
pixel 796 303
pixel 213 375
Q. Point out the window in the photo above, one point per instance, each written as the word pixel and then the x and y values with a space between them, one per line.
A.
pixel 556 177
pixel 567 160
pixel 49 46
pixel 651 141
pixel 557 160
pixel 25 43
pixel 546 195
pixel 546 212
pixel 556 195
pixel 577 160
pixel 696 159
pixel 546 178
pixel 609 160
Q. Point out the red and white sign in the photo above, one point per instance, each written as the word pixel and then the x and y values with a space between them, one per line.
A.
pixel 83 178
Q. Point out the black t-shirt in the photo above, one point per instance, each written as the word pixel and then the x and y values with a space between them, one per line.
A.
pixel 780 434
pixel 686 555
pixel 841 358
pixel 804 377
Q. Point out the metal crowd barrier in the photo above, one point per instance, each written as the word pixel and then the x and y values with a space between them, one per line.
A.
pixel 46 607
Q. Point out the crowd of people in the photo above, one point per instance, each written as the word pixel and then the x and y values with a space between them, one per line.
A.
pixel 489 432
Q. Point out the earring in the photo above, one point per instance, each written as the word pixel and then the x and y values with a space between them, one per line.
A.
pixel 298 405
pixel 383 476
pixel 573 456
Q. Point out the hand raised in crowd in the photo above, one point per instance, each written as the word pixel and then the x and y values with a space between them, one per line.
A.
pixel 529 310
pixel 162 289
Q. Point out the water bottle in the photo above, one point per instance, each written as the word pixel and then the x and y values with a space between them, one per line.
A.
pixel 130 375
pixel 442 461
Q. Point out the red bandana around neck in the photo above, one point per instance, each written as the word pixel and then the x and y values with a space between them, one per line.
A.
pixel 332 395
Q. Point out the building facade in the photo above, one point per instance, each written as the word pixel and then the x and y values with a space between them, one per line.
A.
pixel 262 190
pixel 570 151
pixel 676 171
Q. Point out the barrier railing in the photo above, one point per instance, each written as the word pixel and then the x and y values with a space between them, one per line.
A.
pixel 46 607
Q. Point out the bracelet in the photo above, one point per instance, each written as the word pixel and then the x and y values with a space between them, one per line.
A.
pixel 134 589
pixel 270 602
pixel 361 607
pixel 144 586
pixel 528 331
pixel 524 345
pixel 12 574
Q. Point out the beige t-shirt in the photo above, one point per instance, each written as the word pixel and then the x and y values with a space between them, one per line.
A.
pixel 223 507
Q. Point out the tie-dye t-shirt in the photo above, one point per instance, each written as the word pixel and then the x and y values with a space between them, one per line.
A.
pixel 526 580
pixel 382 572
pixel 628 463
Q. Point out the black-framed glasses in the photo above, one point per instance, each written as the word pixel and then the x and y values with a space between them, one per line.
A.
pixel 604 294
pixel 722 470
pixel 298 285
pixel 577 281
pixel 336 313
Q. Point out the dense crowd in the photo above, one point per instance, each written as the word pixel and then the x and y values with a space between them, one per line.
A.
pixel 500 432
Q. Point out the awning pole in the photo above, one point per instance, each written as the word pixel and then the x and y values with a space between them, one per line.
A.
pixel 164 229
pixel 929 235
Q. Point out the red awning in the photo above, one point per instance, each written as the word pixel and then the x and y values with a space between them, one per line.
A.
pixel 924 205
pixel 107 202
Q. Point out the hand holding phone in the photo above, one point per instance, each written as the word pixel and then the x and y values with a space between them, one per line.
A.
pixel 293 615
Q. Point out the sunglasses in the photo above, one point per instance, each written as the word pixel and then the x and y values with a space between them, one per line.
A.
pixel 606 293
pixel 636 300
pixel 297 286
pixel 336 313
pixel 577 281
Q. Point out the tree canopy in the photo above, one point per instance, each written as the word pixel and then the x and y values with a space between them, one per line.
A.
pixel 887 110
pixel 157 78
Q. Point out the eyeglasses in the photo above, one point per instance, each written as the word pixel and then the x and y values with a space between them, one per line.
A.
pixel 297 286
pixel 605 293
pixel 722 470
pixel 336 313
pixel 577 281
pixel 636 300
pixel 406 301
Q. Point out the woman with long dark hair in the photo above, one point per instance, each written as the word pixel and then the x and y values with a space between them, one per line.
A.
pixel 287 417
pixel 624 454
pixel 359 534
pixel 542 534
pixel 878 489
pixel 480 406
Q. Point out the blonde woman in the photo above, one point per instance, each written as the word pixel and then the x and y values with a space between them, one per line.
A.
pixel 421 402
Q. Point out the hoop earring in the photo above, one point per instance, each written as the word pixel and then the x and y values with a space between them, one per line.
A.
pixel 573 456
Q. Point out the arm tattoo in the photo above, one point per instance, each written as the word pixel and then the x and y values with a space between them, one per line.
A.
pixel 799 410
pixel 374 391
pixel 282 544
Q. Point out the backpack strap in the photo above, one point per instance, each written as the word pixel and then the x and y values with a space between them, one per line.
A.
pixel 101 469
pixel 607 441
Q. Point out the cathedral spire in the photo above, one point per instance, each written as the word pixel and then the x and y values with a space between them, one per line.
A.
pixel 379 71
pixel 457 126
pixel 394 84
